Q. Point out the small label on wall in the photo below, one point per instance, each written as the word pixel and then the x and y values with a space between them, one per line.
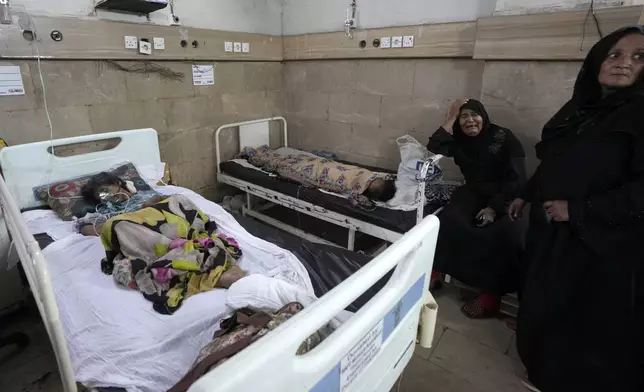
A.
pixel 11 80
pixel 203 75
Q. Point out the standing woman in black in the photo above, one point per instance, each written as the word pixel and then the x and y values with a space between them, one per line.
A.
pixel 581 320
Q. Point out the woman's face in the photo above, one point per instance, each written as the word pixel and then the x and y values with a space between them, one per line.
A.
pixel 471 122
pixel 624 63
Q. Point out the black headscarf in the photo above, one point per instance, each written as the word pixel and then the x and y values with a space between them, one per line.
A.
pixel 589 108
pixel 487 143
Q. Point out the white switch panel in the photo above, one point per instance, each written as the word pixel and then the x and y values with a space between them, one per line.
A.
pixel 385 42
pixel 145 47
pixel 131 42
pixel 159 43
pixel 245 47
pixel 228 46
pixel 396 42
pixel 408 41
pixel 237 47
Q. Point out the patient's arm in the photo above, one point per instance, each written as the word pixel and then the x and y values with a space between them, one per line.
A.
pixel 90 231
pixel 154 200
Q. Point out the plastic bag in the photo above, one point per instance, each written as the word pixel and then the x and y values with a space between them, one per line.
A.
pixel 412 156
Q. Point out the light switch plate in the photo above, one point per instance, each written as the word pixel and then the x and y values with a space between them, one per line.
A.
pixel 385 42
pixel 145 47
pixel 245 47
pixel 237 47
pixel 131 42
pixel 228 46
pixel 159 43
pixel 408 41
pixel 396 42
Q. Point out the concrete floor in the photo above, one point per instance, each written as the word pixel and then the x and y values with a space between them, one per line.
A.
pixel 469 356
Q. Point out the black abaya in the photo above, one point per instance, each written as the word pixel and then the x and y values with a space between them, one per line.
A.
pixel 493 166
pixel 580 325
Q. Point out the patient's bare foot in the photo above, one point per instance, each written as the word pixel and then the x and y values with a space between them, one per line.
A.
pixel 230 276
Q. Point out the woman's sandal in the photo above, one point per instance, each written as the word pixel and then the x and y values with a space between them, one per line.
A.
pixel 475 310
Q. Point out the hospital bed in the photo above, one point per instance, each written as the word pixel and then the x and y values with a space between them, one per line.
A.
pixel 380 222
pixel 367 353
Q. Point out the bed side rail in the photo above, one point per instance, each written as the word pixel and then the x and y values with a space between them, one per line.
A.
pixel 421 199
pixel 366 353
pixel 38 276
pixel 241 124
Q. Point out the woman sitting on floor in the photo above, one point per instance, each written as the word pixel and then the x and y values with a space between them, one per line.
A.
pixel 361 184
pixel 477 243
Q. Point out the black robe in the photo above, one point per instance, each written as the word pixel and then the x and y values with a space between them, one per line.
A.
pixel 493 166
pixel 580 325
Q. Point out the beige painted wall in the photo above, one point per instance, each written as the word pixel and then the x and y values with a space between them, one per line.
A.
pixel 87 97
pixel 357 108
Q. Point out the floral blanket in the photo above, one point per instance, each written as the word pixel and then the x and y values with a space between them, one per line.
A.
pixel 312 170
pixel 168 251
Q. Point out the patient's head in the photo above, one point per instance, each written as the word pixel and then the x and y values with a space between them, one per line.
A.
pixel 105 187
pixel 381 190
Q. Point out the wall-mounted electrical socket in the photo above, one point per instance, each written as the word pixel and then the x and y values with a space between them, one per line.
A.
pixel 237 47
pixel 385 42
pixel 131 42
pixel 245 47
pixel 396 42
pixel 228 46
pixel 159 43
pixel 408 41
pixel 145 46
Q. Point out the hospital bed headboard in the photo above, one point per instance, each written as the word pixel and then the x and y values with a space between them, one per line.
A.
pixel 27 166
pixel 253 133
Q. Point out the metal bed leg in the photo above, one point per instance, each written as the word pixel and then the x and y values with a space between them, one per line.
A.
pixel 248 204
pixel 352 239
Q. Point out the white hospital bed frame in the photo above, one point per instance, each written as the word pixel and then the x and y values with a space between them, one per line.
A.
pixel 255 133
pixel 367 353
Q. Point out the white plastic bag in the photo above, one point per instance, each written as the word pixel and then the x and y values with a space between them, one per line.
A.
pixel 412 156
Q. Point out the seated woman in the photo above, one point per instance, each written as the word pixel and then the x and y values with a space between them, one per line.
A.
pixel 164 247
pixel 323 173
pixel 478 244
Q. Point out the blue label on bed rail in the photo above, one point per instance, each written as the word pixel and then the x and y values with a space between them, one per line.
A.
pixel 342 376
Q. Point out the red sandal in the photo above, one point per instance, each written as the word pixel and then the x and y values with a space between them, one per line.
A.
pixel 484 306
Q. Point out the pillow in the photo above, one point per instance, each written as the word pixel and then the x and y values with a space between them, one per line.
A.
pixel 65 197
pixel 156 174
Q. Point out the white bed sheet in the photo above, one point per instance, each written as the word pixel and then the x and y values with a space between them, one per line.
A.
pixel 115 337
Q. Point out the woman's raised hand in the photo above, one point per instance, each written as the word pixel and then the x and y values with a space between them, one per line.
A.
pixel 452 114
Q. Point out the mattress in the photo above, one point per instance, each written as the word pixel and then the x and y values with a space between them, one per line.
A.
pixel 114 336
pixel 396 220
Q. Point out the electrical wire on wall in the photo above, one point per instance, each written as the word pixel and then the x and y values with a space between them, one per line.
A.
pixel 591 11
pixel 146 68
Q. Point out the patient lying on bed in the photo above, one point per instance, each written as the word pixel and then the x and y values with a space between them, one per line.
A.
pixel 359 183
pixel 164 247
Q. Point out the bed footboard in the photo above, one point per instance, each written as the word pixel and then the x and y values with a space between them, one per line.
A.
pixel 368 352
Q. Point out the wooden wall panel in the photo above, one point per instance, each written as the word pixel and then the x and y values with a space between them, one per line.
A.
pixel 436 40
pixel 89 39
pixel 547 36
